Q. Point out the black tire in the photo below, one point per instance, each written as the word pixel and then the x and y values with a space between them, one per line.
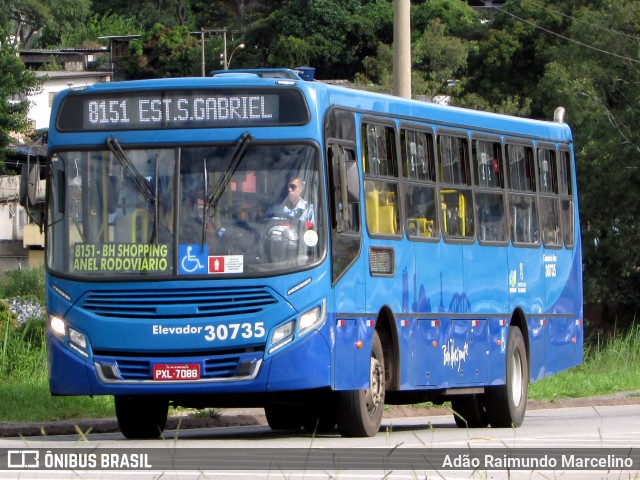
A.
pixel 469 412
pixel 359 412
pixel 284 417
pixel 506 404
pixel 141 417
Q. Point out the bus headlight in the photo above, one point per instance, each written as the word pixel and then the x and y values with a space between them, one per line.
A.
pixel 78 338
pixel 311 319
pixel 74 339
pixel 281 336
pixel 58 326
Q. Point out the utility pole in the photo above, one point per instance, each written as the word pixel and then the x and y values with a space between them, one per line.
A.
pixel 202 52
pixel 202 33
pixel 402 48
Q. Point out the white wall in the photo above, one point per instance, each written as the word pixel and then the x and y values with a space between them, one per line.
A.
pixel 40 108
pixel 12 215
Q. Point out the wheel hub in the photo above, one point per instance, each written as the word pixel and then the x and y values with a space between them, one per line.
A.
pixel 376 385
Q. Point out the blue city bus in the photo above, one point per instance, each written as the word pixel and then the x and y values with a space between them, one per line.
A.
pixel 256 239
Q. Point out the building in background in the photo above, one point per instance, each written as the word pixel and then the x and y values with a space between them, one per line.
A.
pixel 22 240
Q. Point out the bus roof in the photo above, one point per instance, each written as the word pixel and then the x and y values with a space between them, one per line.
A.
pixel 356 100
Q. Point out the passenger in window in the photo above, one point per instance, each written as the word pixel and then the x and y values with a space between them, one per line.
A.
pixel 295 206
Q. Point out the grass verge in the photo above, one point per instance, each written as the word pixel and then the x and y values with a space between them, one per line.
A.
pixel 609 366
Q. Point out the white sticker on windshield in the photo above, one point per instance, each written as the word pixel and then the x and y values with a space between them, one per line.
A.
pixel 310 238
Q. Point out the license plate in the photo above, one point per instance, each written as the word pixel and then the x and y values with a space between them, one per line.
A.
pixel 178 371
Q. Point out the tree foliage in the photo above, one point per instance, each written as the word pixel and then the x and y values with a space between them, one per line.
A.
pixel 164 52
pixel 149 12
pixel 16 83
pixel 88 33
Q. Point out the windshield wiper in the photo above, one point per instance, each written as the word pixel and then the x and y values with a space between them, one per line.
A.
pixel 223 182
pixel 130 168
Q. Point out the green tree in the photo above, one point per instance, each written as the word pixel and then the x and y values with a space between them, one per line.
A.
pixel 66 16
pixel 338 33
pixel 149 12
pixel 87 34
pixel 22 19
pixel 16 82
pixel 511 56
pixel 456 15
pixel 439 61
pixel 163 52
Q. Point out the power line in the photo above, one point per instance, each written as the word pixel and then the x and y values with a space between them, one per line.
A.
pixel 567 38
pixel 601 27
pixel 579 20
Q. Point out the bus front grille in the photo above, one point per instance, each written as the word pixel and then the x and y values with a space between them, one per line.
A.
pixel 178 303
pixel 223 366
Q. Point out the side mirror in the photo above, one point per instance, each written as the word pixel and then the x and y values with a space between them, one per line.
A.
pixel 32 191
pixel 35 187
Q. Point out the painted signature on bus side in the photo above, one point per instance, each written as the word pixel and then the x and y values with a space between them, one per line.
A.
pixel 454 355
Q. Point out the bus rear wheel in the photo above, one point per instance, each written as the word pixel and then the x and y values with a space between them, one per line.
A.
pixel 359 412
pixel 141 417
pixel 506 404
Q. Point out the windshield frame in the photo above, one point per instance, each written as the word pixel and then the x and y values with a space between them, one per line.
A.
pixel 58 225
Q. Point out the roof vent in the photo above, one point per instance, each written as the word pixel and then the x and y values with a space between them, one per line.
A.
pixel 558 115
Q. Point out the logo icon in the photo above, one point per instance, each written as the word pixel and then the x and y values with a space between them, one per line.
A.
pixel 23 459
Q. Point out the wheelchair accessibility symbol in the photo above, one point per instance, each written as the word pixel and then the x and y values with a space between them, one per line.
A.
pixel 193 259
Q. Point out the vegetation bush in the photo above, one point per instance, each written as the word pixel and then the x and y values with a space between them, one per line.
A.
pixel 23 283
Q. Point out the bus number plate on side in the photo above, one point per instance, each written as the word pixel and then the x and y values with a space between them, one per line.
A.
pixel 181 371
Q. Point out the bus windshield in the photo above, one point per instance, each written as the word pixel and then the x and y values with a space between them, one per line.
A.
pixel 238 210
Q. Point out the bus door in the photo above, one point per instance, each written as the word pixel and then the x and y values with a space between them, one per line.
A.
pixel 347 272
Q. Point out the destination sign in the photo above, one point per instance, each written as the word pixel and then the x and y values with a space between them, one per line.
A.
pixel 131 110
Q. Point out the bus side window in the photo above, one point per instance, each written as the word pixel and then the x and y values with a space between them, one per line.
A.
pixel 418 161
pixel 491 217
pixel 381 206
pixel 419 171
pixel 523 208
pixel 489 183
pixel 456 201
pixel 457 216
pixel 381 188
pixel 379 150
pixel 566 201
pixel 422 214
pixel 549 202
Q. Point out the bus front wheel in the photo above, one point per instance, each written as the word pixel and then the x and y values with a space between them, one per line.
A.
pixel 506 404
pixel 141 417
pixel 359 412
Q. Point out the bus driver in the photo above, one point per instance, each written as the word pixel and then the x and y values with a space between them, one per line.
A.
pixel 294 205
